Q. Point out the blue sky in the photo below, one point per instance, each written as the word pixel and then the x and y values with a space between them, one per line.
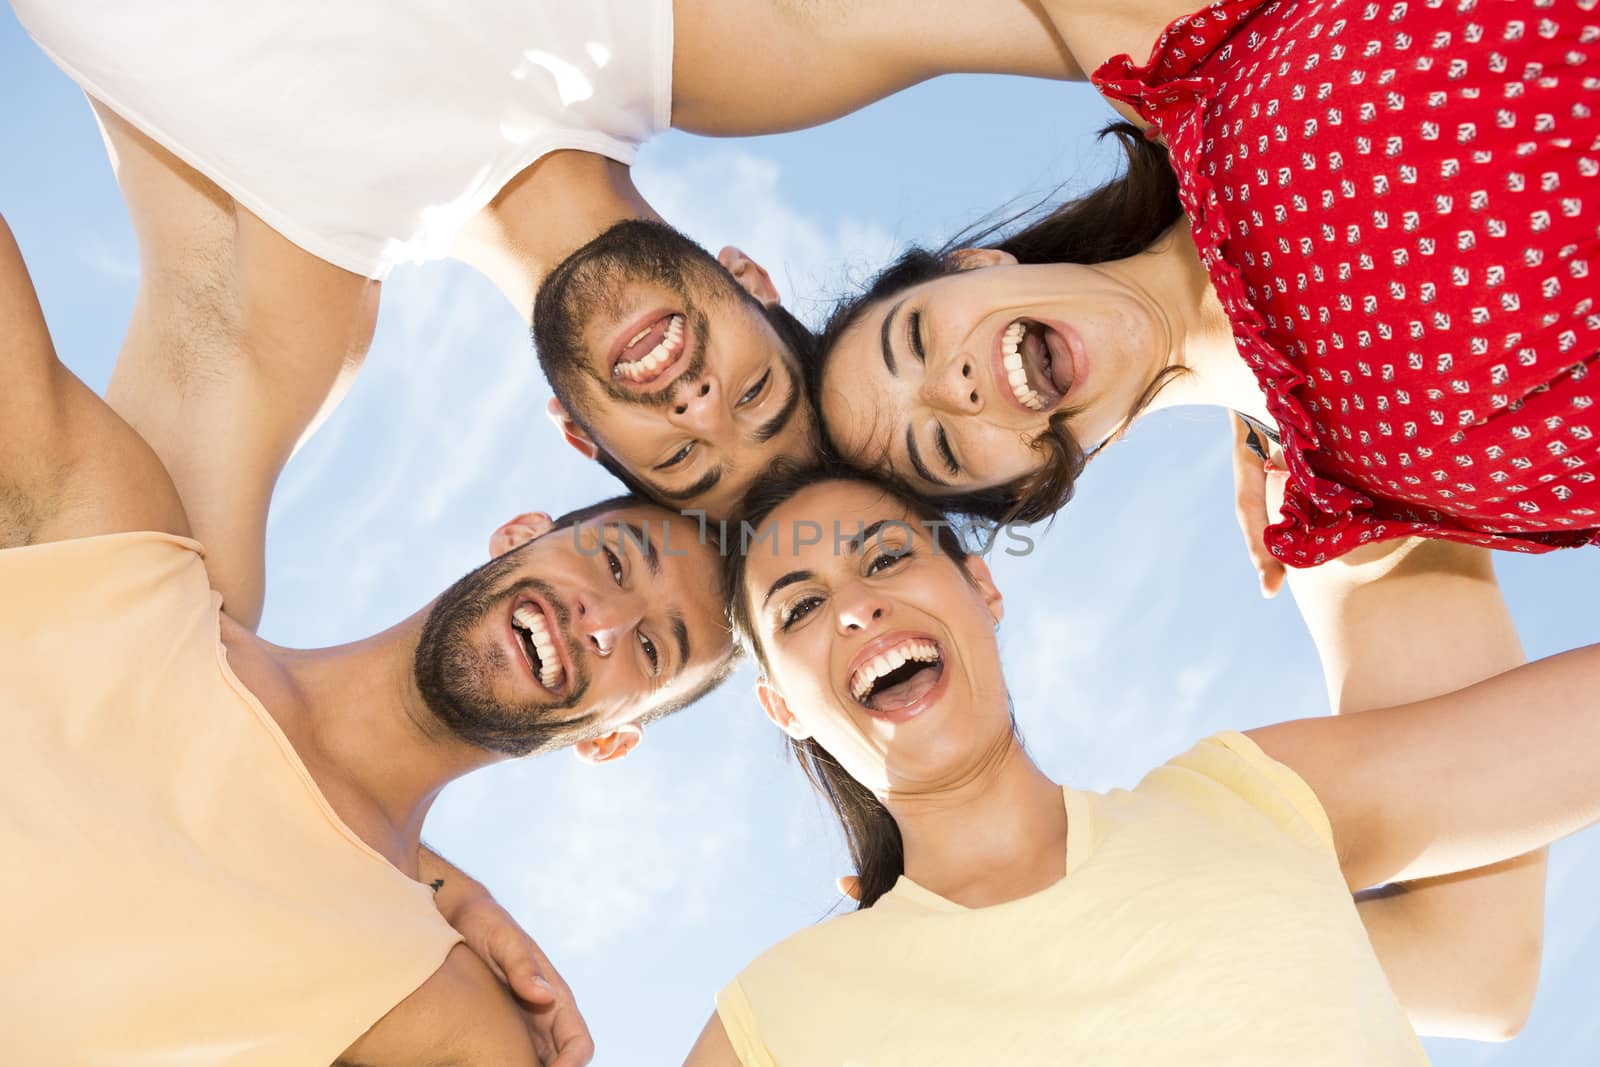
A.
pixel 1133 630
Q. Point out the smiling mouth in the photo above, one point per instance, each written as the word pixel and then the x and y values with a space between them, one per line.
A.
pixel 898 677
pixel 646 355
pixel 537 638
pixel 1037 364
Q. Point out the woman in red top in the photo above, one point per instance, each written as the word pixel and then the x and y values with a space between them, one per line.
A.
pixel 1388 208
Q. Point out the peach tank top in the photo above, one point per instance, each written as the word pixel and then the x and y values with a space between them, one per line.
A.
pixel 178 891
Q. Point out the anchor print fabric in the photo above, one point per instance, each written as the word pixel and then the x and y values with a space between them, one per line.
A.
pixel 1398 202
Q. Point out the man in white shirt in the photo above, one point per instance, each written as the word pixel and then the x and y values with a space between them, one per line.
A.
pixel 278 160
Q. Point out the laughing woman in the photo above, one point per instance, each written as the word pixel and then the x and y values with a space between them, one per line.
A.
pixel 1204 916
pixel 1387 208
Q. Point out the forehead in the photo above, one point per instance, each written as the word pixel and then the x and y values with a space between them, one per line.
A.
pixel 828 521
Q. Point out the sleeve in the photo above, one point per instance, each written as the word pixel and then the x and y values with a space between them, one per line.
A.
pixel 1238 764
pixel 744 1033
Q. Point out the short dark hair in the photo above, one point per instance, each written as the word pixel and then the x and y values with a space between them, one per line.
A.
pixel 1119 219
pixel 797 337
pixel 678 250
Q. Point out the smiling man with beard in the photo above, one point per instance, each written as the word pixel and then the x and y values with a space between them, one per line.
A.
pixel 677 371
pixel 222 836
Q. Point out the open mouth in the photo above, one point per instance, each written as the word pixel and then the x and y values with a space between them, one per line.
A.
pixel 539 639
pixel 1038 363
pixel 898 677
pixel 649 348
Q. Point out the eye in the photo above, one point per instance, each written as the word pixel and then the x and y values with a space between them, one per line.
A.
pixel 677 457
pixel 651 654
pixel 799 610
pixel 616 566
pixel 914 333
pixel 942 444
pixel 884 560
pixel 754 392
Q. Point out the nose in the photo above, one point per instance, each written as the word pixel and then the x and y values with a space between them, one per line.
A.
pixel 603 620
pixel 698 407
pixel 953 387
pixel 858 609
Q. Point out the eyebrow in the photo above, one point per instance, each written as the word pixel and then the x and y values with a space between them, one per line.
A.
pixel 916 460
pixel 855 544
pixel 883 337
pixel 680 634
pixel 783 583
pixel 640 537
pixel 707 483
pixel 774 426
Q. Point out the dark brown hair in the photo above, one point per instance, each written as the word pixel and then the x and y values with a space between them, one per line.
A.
pixel 1120 219
pixel 870 832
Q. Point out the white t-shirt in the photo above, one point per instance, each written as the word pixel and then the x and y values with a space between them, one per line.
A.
pixel 369 131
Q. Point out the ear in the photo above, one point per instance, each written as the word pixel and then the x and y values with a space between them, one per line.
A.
pixel 749 274
pixel 613 746
pixel 777 710
pixel 575 434
pixel 973 258
pixel 518 532
pixel 984 581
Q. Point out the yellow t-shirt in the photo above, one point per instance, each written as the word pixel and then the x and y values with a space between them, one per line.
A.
pixel 178 891
pixel 1202 921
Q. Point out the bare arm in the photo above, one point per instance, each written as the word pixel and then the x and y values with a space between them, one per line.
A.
pixel 462 1016
pixel 239 344
pixel 744 67
pixel 547 1005
pixel 1404 621
pixel 712 1049
pixel 1459 781
pixel 69 467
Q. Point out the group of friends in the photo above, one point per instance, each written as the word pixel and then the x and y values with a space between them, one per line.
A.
pixel 1365 227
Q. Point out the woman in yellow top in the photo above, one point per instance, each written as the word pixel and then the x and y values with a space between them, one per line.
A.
pixel 1203 917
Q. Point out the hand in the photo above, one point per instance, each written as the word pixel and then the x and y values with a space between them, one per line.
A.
pixel 1250 502
pixel 560 1036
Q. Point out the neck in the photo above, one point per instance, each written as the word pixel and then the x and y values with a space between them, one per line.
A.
pixel 1193 331
pixel 363 730
pixel 998 835
pixel 547 212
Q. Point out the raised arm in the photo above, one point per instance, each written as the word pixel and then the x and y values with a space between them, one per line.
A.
pixel 69 467
pixel 239 344
pixel 1459 781
pixel 1404 621
pixel 744 67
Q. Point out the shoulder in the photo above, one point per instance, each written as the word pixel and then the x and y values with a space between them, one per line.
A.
pixel 462 1015
pixel 1229 778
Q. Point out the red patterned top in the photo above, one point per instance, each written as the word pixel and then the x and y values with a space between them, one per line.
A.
pixel 1398 204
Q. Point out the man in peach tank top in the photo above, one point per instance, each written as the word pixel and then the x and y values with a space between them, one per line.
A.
pixel 222 836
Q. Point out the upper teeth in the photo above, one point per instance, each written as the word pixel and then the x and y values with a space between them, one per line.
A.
pixel 656 358
pixel 1011 353
pixel 891 660
pixel 532 620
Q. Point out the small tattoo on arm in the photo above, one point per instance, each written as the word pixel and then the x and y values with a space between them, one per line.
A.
pixel 438 884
